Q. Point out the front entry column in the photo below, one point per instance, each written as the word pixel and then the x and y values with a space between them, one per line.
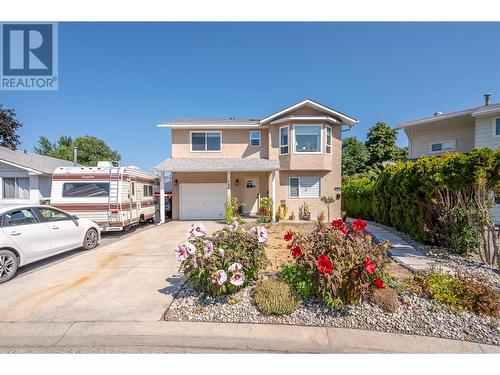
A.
pixel 228 192
pixel 162 197
pixel 273 189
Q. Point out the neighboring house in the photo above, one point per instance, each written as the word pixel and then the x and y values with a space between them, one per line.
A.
pixel 459 131
pixel 456 131
pixel 26 177
pixel 292 155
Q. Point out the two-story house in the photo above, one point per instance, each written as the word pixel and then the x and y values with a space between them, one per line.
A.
pixel 292 155
pixel 459 131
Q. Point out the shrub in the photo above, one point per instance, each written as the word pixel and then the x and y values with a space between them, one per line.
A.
pixel 275 297
pixel 439 200
pixel 266 206
pixel 386 299
pixel 462 291
pixel 228 212
pixel 224 262
pixel 297 277
pixel 342 265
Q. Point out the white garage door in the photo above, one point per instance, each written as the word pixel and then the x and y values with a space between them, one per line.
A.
pixel 202 201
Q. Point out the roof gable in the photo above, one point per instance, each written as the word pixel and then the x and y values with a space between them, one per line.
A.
pixel 309 107
pixel 32 162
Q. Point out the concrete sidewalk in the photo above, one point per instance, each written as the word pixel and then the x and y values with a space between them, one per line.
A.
pixel 210 337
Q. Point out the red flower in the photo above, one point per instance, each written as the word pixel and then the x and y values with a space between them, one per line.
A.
pixel 379 283
pixel 359 225
pixel 343 228
pixel 325 265
pixel 369 266
pixel 288 235
pixel 296 251
pixel 337 224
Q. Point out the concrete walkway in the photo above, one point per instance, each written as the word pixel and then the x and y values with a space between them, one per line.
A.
pixel 209 337
pixel 401 251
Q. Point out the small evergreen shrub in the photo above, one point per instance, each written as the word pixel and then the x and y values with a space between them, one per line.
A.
pixel 275 297
pixel 297 277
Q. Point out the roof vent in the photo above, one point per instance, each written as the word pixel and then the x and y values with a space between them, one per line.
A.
pixel 438 114
pixel 487 99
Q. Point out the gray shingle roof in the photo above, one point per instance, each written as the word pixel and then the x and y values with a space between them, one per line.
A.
pixel 217 165
pixel 213 121
pixel 40 163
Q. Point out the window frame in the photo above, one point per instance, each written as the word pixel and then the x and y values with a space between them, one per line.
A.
pixel 43 219
pixel 260 137
pixel 299 196
pixel 326 140
pixel 453 141
pixel 494 127
pixel 206 132
pixel 63 191
pixel 16 188
pixel 294 147
pixel 35 216
pixel 288 139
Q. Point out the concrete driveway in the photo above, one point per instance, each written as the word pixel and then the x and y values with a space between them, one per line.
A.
pixel 132 279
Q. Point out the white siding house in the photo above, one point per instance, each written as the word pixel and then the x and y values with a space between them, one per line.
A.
pixel 26 177
pixel 459 131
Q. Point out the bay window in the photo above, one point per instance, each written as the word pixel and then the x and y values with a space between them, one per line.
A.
pixel 307 138
pixel 284 140
pixel 329 140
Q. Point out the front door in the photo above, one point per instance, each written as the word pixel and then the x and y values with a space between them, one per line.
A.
pixel 250 195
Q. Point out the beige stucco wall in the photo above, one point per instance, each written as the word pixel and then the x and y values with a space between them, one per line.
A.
pixel 235 144
pixel 421 137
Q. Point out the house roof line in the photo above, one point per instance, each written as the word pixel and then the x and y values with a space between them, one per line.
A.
pixel 31 162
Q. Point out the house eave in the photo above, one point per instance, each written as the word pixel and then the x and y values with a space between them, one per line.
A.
pixel 210 126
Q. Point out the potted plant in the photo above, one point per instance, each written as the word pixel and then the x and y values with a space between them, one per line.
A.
pixel 292 216
pixel 265 210
pixel 304 212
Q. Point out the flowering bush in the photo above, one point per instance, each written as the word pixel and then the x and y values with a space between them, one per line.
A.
pixel 224 262
pixel 343 265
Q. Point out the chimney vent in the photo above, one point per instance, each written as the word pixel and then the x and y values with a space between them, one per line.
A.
pixel 438 114
pixel 487 99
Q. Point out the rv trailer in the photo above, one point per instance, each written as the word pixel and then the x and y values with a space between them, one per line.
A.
pixel 115 197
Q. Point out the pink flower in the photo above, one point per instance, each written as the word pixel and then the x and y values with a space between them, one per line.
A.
pixel 221 277
pixel 197 230
pixel 190 248
pixel 237 279
pixel 261 234
pixel 181 253
pixel 208 247
pixel 235 267
pixel 233 226
pixel 221 251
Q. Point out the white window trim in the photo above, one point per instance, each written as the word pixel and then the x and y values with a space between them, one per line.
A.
pixel 250 135
pixel 279 136
pixel 299 197
pixel 15 199
pixel 326 139
pixel 294 150
pixel 454 141
pixel 206 132
pixel 494 127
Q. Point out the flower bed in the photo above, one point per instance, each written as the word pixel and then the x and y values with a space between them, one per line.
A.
pixel 340 275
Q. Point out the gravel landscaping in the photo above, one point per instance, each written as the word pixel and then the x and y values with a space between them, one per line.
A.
pixel 416 315
pixel 446 258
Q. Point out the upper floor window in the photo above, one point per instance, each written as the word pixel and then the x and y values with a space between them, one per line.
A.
pixel 329 140
pixel 307 138
pixel 16 187
pixel 496 127
pixel 206 141
pixel 284 140
pixel 255 138
pixel 443 146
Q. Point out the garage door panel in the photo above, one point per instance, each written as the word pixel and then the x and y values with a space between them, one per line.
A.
pixel 202 201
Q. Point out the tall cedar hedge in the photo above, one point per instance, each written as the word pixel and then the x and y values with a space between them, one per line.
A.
pixel 405 195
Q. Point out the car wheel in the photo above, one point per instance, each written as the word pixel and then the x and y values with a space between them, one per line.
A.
pixel 8 265
pixel 90 240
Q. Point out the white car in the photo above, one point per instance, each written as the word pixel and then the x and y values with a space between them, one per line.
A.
pixel 29 233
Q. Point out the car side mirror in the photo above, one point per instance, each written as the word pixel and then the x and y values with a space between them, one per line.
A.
pixel 74 217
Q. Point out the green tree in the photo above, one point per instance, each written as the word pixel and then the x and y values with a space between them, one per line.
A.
pixel 381 145
pixel 90 149
pixel 355 156
pixel 8 128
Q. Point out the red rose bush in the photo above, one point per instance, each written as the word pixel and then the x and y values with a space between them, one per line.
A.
pixel 224 262
pixel 342 264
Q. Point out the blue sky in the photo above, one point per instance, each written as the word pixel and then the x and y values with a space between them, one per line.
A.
pixel 118 80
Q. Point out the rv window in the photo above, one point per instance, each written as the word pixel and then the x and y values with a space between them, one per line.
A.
pixel 150 191
pixel 133 188
pixel 85 189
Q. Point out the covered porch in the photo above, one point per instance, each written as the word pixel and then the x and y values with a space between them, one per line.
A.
pixel 201 187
